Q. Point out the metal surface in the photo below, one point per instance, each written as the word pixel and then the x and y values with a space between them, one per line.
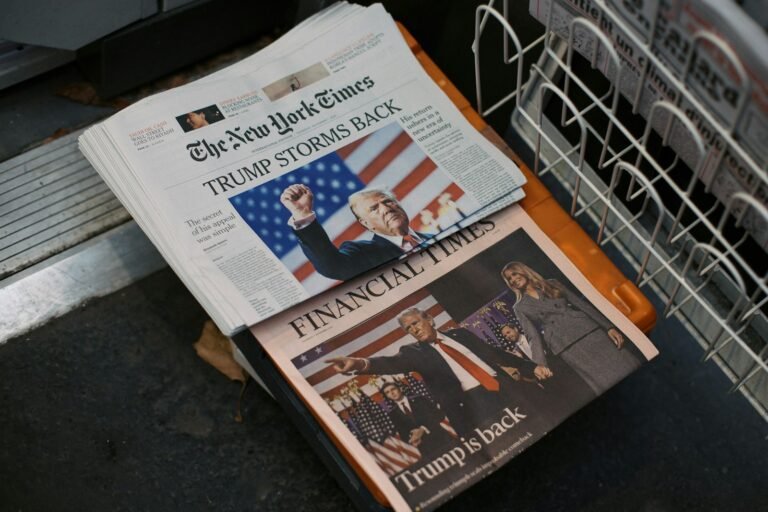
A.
pixel 51 199
pixel 94 268
pixel 69 25
pixel 679 249
pixel 19 61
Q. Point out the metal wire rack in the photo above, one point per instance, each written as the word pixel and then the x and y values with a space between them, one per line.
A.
pixel 693 246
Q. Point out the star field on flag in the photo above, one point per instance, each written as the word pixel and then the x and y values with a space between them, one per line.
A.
pixel 331 182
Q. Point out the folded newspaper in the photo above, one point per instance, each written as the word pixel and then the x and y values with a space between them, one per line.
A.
pixel 434 371
pixel 327 154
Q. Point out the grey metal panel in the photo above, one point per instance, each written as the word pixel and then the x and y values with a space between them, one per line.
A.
pixel 167 5
pixel 51 199
pixel 19 62
pixel 94 268
pixel 67 25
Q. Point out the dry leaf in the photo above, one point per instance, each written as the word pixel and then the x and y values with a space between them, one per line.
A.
pixel 80 92
pixel 215 348
pixel 85 93
pixel 57 134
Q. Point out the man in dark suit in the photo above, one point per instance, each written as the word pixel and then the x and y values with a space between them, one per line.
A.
pixel 466 376
pixel 417 421
pixel 376 210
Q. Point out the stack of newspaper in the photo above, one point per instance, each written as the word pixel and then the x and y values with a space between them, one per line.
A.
pixel 326 154
pixel 327 193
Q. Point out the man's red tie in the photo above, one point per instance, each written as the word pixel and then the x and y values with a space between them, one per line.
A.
pixel 483 377
pixel 411 240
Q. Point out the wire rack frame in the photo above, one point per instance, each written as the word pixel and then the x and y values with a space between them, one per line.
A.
pixel 679 248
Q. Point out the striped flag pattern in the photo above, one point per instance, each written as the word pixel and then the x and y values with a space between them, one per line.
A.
pixel 365 411
pixel 387 158
pixel 390 452
pixel 393 455
pixel 381 336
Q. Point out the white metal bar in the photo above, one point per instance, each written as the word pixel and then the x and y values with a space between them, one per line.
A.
pixel 658 259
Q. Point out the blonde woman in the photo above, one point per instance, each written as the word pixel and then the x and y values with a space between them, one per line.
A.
pixel 559 323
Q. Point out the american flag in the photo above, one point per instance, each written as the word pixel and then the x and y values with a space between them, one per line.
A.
pixel 348 419
pixel 371 418
pixel 488 319
pixel 381 336
pixel 387 158
pixel 415 387
pixel 367 419
pixel 393 455
pixel 390 452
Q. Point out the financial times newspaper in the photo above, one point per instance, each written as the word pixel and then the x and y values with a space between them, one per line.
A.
pixel 435 371
pixel 266 188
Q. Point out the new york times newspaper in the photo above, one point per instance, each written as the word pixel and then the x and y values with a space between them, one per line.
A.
pixel 436 370
pixel 273 186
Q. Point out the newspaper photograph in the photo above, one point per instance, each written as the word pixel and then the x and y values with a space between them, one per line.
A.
pixel 283 182
pixel 199 118
pixel 435 371
pixel 338 198
pixel 295 81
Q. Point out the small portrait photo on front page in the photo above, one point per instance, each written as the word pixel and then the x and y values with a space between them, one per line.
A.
pixel 199 118
pixel 365 204
pixel 295 81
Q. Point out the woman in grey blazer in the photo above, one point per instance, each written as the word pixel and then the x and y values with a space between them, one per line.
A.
pixel 559 323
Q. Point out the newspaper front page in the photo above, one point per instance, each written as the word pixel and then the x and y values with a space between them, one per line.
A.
pixel 436 370
pixel 738 105
pixel 317 165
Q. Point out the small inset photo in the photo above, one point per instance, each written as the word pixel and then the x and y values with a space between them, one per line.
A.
pixel 296 81
pixel 199 118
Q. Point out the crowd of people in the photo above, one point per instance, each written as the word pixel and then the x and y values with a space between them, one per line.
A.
pixel 566 354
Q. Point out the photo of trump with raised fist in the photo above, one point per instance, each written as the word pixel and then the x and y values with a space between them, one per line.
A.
pixel 377 210
pixel 360 206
